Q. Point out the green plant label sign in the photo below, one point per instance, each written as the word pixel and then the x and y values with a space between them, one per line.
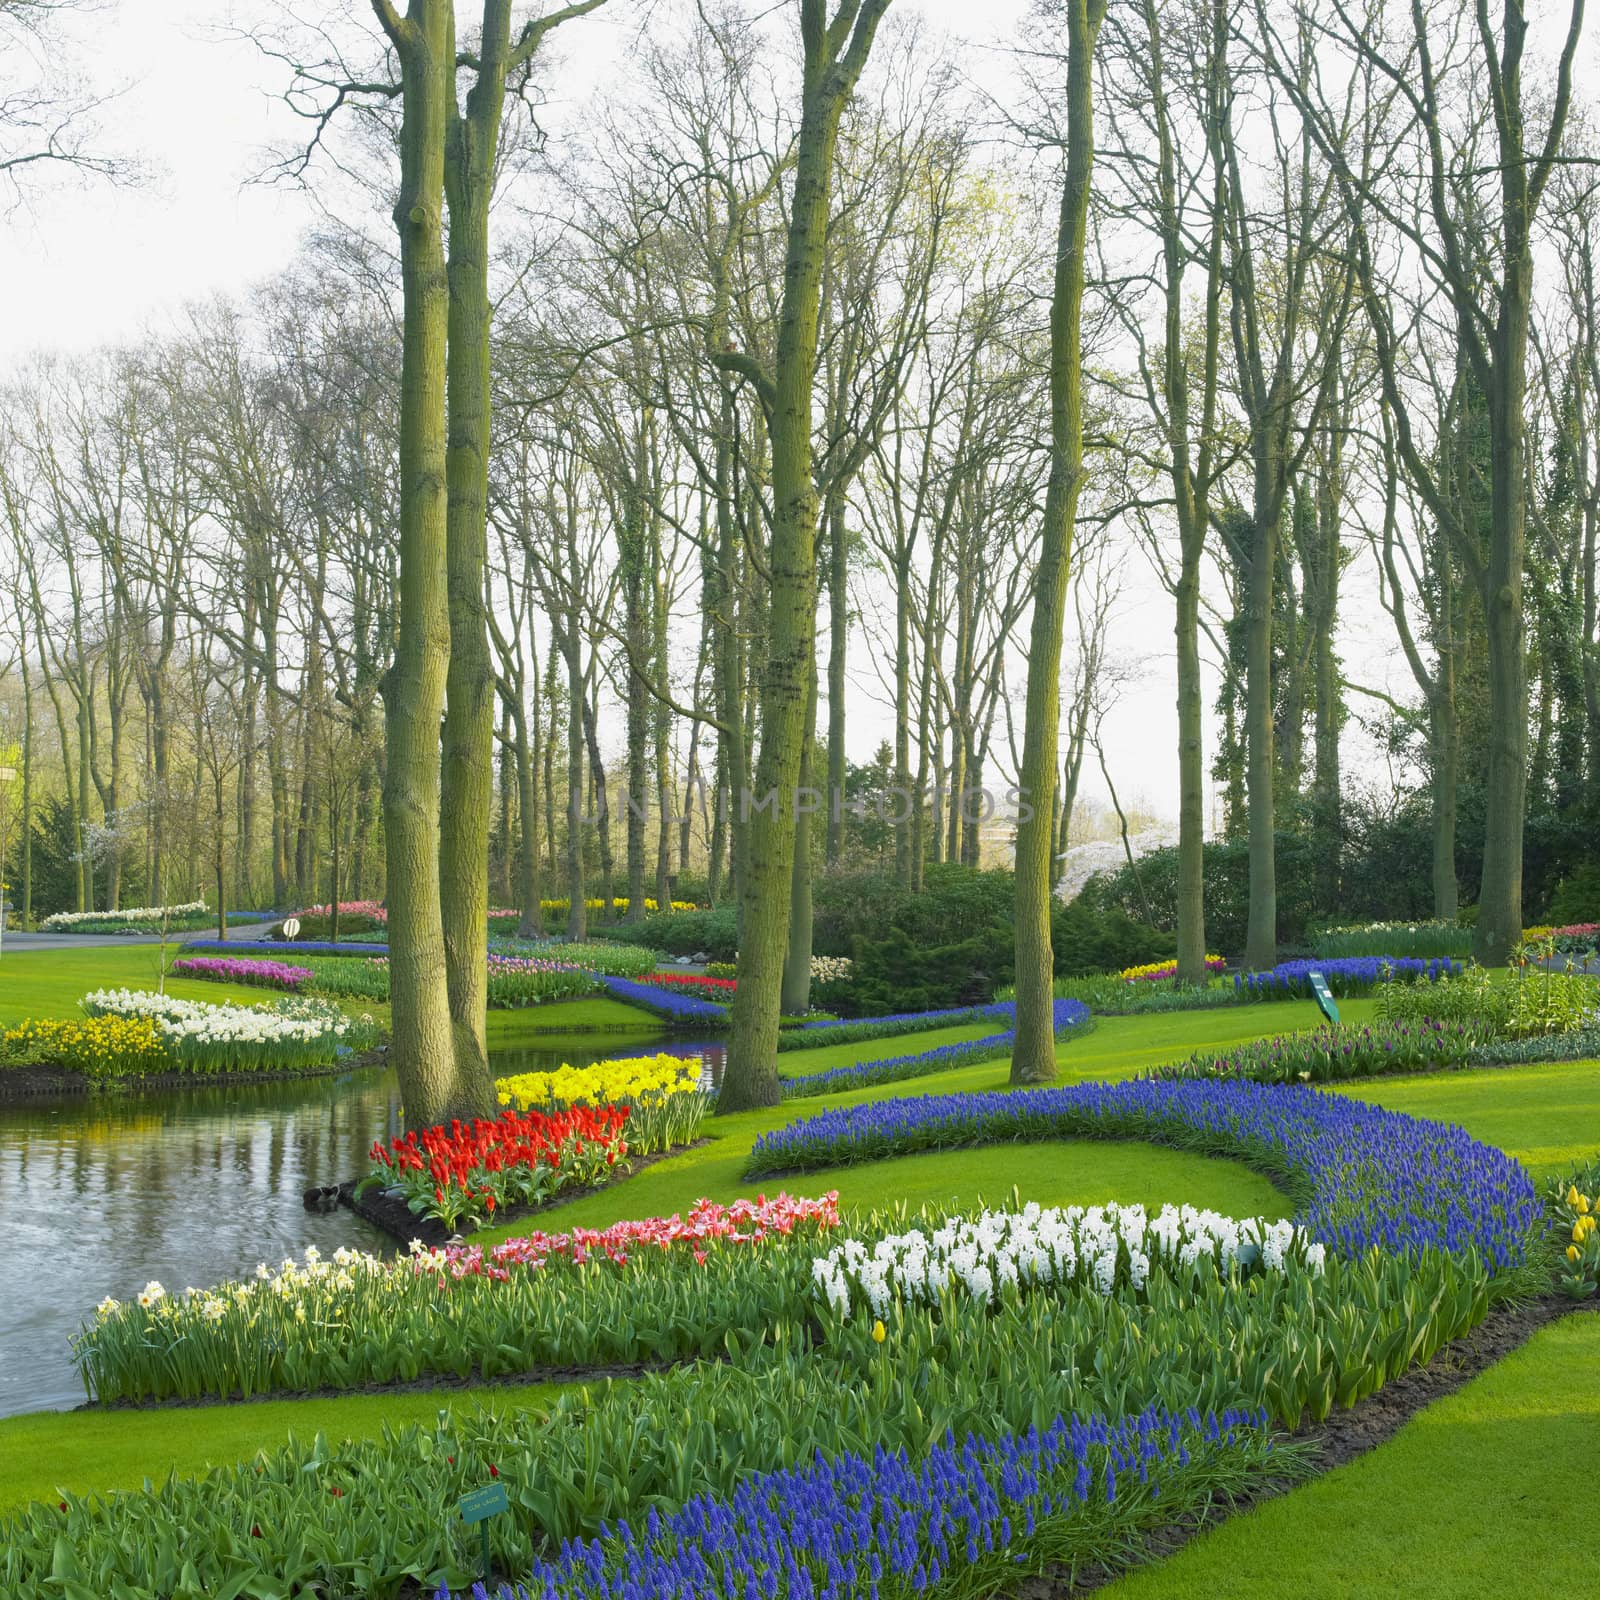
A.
pixel 477 1505
pixel 1324 996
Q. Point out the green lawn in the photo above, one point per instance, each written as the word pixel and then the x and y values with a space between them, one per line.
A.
pixel 1488 1492
pixel 1547 1116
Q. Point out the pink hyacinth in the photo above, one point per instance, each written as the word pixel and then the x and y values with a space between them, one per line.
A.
pixel 237 969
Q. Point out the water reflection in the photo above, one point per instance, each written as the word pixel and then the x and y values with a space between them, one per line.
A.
pixel 98 1196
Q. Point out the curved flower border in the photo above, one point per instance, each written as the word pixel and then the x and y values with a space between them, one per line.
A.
pixel 1364 1177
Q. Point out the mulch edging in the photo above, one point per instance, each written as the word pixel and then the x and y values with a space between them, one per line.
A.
pixel 25 1083
pixel 395 1217
pixel 1345 1436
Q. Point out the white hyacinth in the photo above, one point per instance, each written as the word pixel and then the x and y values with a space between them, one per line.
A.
pixel 1096 1247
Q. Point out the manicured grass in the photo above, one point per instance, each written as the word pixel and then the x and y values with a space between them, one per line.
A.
pixel 1485 1493
pixel 85 1450
pixel 1547 1116
pixel 50 983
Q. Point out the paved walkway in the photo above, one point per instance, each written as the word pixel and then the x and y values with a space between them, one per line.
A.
pixel 16 943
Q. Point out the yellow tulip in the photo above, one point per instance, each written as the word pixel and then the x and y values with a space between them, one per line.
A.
pixel 1574 1253
pixel 879 1332
pixel 1573 1197
pixel 1583 1205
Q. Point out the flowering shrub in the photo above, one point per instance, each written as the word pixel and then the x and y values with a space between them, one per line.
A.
pixel 1155 971
pixel 1365 1177
pixel 1347 975
pixel 1097 1249
pixel 1071 1017
pixel 1326 1054
pixel 288 1035
pixel 475 1170
pixel 129 919
pixel 222 969
pixel 661 1095
pixel 831 969
pixel 101 1048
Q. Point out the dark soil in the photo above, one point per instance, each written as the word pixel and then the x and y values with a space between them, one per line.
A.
pixel 392 1214
pixel 22 1083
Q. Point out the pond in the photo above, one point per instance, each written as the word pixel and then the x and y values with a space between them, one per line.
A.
pixel 103 1193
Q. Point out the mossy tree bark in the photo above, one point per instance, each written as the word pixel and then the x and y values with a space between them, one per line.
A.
pixel 422 1047
pixel 472 144
pixel 1033 1059
pixel 835 52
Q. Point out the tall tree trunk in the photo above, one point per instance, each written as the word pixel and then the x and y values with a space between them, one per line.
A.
pixel 838 647
pixel 834 58
pixel 797 959
pixel 422 1047
pixel 1033 1058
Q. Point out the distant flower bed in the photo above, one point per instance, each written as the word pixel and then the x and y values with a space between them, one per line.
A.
pixel 602 956
pixel 223 969
pixel 1392 939
pixel 278 947
pixel 1326 1055
pixel 1070 1017
pixel 681 1010
pixel 102 1048
pixel 1346 975
pixel 470 1171
pixel 1155 971
pixel 696 983
pixel 371 910
pixel 132 919
pixel 619 905
pixel 288 1035
pixel 661 1095
pixel 853 1030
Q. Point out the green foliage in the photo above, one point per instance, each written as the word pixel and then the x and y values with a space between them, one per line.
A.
pixel 1343 1050
pixel 352 925
pixel 897 974
pixel 1577 896
pixel 684 933
pixel 1109 996
pixel 1421 939
pixel 1088 941
pixel 1531 1002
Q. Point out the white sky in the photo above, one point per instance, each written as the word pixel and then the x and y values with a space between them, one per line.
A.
pixel 89 266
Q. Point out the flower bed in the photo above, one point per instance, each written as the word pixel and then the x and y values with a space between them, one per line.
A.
pixel 1573 1206
pixel 1346 975
pixel 1325 1055
pixel 853 1030
pixel 286 1035
pixel 472 1171
pixel 599 956
pixel 1156 971
pixel 1365 1177
pixel 679 1010
pixel 661 1095
pixel 227 969
pixel 1071 1017
pixel 659 1288
pixel 301 947
pixel 1110 996
pixel 1095 1249
pixel 131 919
pixel 962 1511
pixel 1392 939
pixel 701 983
pixel 102 1048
